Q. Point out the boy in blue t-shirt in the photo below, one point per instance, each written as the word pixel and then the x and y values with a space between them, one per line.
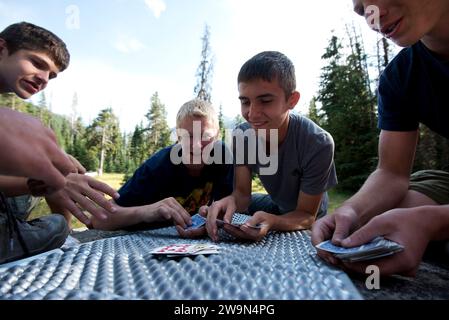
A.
pixel 176 182
pixel 409 209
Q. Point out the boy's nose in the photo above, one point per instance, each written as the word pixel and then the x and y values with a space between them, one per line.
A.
pixel 43 78
pixel 253 111
pixel 196 144
pixel 373 7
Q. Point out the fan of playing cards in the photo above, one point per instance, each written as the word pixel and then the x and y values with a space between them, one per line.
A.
pixel 378 248
pixel 181 250
pixel 237 220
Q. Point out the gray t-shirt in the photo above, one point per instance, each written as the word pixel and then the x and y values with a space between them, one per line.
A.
pixel 305 163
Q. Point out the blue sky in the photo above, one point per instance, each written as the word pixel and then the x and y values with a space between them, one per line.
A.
pixel 125 50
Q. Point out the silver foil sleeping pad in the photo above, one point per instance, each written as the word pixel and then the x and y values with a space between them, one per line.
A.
pixel 283 266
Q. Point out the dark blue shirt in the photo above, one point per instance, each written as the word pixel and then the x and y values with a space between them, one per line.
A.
pixel 158 178
pixel 413 89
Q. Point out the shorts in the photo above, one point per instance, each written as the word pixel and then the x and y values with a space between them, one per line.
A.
pixel 432 183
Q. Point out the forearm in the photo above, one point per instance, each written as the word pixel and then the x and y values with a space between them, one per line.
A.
pixel 381 192
pixel 122 218
pixel 14 186
pixel 292 221
pixel 242 200
pixel 127 216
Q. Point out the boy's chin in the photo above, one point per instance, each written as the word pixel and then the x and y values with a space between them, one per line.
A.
pixel 23 94
pixel 195 166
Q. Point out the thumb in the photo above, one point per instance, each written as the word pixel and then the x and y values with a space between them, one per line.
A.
pixel 256 219
pixel 203 211
pixel 342 229
pixel 364 235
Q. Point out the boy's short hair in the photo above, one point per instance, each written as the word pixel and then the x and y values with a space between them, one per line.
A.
pixel 197 108
pixel 269 66
pixel 27 36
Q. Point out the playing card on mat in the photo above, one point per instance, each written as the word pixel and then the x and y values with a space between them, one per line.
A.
pixel 182 249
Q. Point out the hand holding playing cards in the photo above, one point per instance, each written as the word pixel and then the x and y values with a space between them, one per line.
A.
pixel 404 226
pixel 225 209
pixel 336 226
pixel 170 209
pixel 254 229
pixel 198 228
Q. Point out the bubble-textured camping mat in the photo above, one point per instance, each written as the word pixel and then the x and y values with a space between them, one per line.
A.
pixel 283 266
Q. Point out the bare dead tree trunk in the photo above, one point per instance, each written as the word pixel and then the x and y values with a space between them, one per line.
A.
pixel 103 152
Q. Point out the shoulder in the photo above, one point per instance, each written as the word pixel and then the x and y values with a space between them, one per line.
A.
pixel 161 159
pixel 309 131
pixel 400 69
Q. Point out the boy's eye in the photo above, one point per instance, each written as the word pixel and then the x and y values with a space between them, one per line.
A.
pixel 266 101
pixel 244 102
pixel 37 64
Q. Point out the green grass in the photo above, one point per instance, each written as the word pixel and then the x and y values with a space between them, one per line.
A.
pixel 115 180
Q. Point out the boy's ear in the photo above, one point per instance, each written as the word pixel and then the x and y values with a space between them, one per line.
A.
pixel 294 99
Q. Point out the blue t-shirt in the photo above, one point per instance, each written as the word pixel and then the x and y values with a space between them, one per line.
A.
pixel 158 178
pixel 413 89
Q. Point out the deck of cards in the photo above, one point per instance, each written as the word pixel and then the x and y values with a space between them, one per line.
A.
pixel 185 249
pixel 378 248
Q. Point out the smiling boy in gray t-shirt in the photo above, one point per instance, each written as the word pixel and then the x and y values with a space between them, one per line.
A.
pixel 299 172
pixel 304 163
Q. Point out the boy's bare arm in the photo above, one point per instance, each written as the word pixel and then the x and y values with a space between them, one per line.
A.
pixel 242 189
pixel 165 210
pixel 14 186
pixel 302 217
pixel 381 192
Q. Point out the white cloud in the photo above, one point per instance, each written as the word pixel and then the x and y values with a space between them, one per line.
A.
pixel 126 44
pixel 157 6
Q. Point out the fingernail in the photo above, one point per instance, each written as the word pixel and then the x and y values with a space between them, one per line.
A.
pixel 113 209
pixel 117 195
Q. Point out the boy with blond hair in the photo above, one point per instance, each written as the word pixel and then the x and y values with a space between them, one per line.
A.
pixel 178 181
